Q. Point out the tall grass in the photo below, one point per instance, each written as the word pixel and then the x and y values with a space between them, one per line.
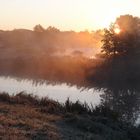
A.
pixel 47 105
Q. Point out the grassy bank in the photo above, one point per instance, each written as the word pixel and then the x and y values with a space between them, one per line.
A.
pixel 24 116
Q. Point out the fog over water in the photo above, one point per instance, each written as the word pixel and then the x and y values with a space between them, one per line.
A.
pixel 53 62
pixel 49 62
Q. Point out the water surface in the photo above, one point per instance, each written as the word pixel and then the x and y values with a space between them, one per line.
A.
pixel 57 92
pixel 126 101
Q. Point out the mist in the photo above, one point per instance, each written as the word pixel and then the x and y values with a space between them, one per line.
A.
pixel 48 54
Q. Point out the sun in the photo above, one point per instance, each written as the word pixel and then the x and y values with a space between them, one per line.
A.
pixel 117 29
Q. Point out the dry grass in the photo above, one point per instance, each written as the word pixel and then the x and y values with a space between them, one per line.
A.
pixel 26 122
pixel 25 117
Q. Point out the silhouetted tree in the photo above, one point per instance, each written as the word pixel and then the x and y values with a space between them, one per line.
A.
pixel 108 42
pixel 125 42
pixel 121 50
pixel 53 29
pixel 39 28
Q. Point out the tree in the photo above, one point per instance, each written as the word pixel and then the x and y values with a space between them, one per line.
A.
pixel 108 42
pixel 52 29
pixel 123 36
pixel 39 28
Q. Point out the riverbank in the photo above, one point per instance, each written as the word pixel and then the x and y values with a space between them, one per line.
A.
pixel 24 116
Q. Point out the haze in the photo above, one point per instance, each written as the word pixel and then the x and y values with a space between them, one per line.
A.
pixel 64 14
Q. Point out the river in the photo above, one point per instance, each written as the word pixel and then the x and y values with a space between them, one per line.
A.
pixel 56 92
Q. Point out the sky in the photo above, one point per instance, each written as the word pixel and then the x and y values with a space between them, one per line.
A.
pixel 75 15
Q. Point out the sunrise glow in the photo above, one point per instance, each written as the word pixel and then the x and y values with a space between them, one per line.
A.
pixel 64 14
pixel 117 30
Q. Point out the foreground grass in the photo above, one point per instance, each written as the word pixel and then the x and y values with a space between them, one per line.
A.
pixel 25 116
pixel 21 119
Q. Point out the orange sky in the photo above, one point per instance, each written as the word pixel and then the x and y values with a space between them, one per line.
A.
pixel 64 14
